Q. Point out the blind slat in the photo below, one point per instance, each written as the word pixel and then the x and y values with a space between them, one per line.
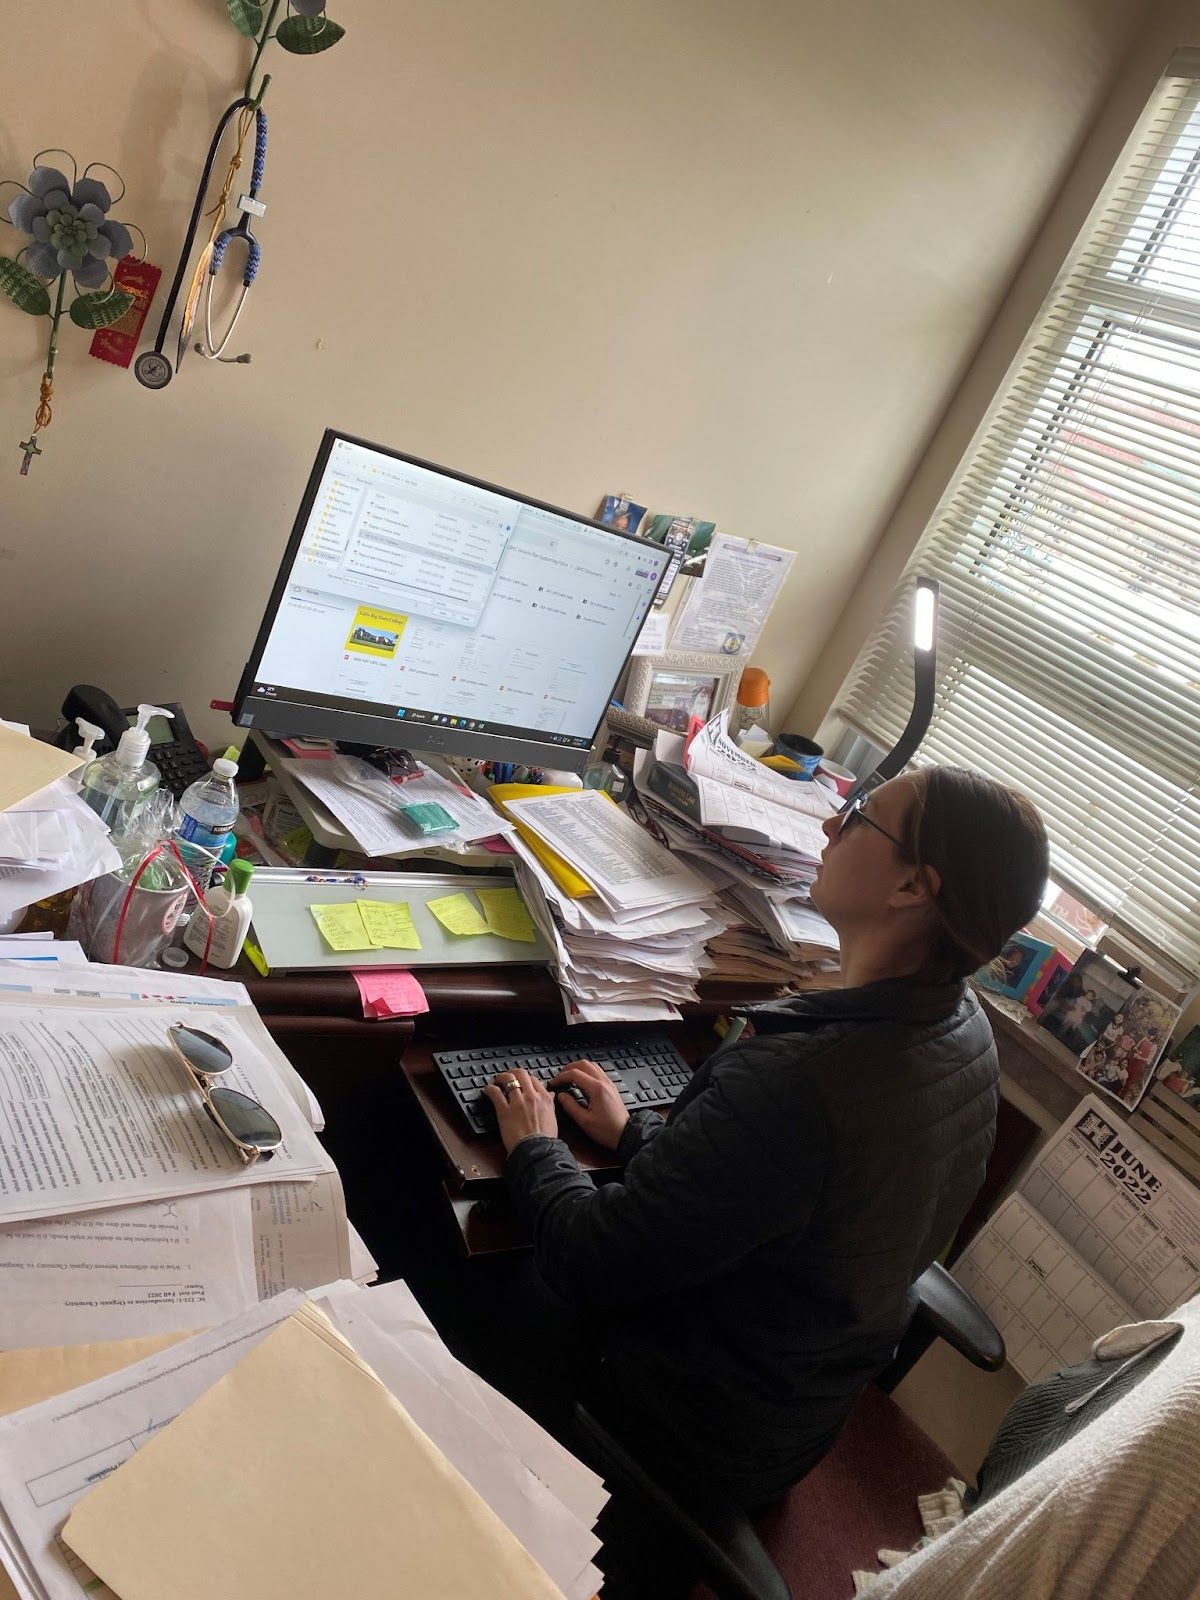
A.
pixel 1068 551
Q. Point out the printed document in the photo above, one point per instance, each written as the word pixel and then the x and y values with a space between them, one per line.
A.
pixel 725 611
pixel 1101 1231
pixel 368 808
pixel 753 819
pixel 53 1454
pixel 169 1266
pixel 625 866
pixel 96 1110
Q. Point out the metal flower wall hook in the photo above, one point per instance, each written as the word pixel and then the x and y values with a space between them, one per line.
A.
pixel 72 234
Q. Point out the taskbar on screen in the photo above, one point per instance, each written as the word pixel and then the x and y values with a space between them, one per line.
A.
pixel 413 716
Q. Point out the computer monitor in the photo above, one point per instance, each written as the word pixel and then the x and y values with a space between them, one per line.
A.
pixel 421 609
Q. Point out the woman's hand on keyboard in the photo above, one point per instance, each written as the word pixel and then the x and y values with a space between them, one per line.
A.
pixel 603 1118
pixel 523 1108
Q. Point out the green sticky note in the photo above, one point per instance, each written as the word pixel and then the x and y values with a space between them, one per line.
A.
pixel 342 928
pixel 389 925
pixel 457 914
pixel 506 915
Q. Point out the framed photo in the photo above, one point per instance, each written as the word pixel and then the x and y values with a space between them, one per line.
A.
pixel 686 540
pixel 1122 1060
pixel 1047 983
pixel 1017 968
pixel 1085 1003
pixel 1180 1069
pixel 673 688
pixel 620 512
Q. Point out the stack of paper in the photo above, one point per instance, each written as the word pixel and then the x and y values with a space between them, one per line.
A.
pixel 632 950
pixel 128 1211
pixel 370 806
pixel 764 885
pixel 725 805
pixel 49 840
pixel 400 1473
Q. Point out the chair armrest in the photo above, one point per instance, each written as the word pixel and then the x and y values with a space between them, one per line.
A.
pixel 950 1313
pixel 723 1538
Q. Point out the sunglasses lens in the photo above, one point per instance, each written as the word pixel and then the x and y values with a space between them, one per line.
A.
pixel 246 1119
pixel 201 1050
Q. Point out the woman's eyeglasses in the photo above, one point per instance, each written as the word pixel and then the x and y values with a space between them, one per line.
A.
pixel 247 1125
pixel 854 813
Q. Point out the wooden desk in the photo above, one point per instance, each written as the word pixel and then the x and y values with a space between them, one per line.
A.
pixel 317 1020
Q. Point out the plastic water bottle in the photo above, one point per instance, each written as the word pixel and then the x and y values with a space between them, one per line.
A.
pixel 209 809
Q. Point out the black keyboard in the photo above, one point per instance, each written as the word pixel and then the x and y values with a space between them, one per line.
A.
pixel 647 1069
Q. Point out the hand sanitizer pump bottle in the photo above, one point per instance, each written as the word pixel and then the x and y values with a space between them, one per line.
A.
pixel 116 785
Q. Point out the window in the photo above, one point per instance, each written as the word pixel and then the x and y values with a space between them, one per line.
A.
pixel 1068 549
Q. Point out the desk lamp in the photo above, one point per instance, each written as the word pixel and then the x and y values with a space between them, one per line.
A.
pixel 925 621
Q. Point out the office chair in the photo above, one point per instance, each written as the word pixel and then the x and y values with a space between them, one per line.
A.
pixel 727 1545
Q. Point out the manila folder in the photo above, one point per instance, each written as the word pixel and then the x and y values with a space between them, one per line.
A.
pixel 298 1473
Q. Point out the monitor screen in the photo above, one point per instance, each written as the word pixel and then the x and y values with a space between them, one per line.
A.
pixel 416 607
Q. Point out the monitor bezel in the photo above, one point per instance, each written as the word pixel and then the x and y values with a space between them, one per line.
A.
pixel 284 719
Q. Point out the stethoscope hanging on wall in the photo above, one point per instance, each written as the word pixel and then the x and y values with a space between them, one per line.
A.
pixel 152 368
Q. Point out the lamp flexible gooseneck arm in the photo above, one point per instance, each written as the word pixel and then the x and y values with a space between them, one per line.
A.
pixel 925 621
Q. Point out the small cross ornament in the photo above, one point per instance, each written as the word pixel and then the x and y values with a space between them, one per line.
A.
pixel 31 449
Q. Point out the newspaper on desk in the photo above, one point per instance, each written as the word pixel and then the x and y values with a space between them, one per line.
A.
pixel 1101 1230
pixel 714 763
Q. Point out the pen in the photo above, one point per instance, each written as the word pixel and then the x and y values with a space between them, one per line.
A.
pixel 356 878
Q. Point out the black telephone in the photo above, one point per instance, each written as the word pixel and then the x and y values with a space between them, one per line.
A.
pixel 173 747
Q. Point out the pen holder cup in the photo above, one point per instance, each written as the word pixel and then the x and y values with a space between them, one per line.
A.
pixel 805 752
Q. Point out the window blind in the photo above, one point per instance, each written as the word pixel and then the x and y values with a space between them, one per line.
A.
pixel 1068 550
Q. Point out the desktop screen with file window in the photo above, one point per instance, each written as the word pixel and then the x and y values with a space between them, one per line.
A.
pixel 419 597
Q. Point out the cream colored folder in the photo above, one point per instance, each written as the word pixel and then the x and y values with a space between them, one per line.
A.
pixel 27 1376
pixel 27 765
pixel 298 1474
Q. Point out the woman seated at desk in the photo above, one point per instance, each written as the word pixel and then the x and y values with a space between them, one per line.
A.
pixel 747 1275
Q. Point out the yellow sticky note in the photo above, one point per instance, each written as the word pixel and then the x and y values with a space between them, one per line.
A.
pixel 456 914
pixel 342 928
pixel 506 915
pixel 389 925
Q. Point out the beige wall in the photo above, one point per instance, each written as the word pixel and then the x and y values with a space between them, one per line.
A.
pixel 1167 27
pixel 730 258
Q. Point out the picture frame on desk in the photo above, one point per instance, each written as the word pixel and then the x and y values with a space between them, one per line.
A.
pixel 1046 983
pixel 671 688
pixel 1017 968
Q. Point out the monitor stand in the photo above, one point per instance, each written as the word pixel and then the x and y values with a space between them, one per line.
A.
pixel 330 837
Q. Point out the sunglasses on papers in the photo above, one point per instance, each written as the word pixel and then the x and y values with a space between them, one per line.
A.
pixel 252 1130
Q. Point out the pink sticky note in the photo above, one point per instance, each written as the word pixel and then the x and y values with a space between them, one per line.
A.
pixel 390 992
pixel 498 846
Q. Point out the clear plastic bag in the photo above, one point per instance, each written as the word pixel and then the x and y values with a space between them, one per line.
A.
pixel 127 917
